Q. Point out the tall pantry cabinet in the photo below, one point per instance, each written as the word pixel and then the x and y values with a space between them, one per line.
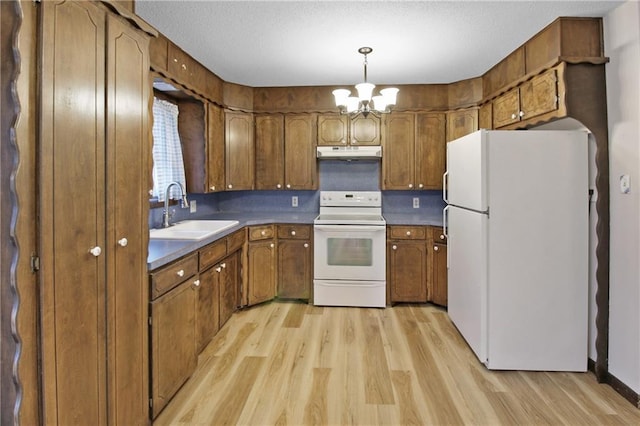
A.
pixel 93 212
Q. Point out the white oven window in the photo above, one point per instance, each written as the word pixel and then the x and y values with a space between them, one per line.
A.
pixel 350 251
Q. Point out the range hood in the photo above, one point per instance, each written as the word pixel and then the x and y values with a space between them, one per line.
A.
pixel 349 152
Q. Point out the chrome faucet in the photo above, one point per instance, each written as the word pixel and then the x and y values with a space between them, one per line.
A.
pixel 184 202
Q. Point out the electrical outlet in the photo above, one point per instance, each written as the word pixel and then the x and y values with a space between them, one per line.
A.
pixel 192 206
pixel 416 202
pixel 294 201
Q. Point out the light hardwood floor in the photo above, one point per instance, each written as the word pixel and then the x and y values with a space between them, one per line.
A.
pixel 287 363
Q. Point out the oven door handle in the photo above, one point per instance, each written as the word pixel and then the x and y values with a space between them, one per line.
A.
pixel 350 228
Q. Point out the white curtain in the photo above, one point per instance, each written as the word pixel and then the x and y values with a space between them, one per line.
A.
pixel 168 165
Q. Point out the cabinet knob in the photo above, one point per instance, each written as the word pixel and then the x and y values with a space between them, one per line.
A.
pixel 354 142
pixel 521 113
pixel 513 116
pixel 410 185
pixel 306 245
pixel 263 233
pixel 218 269
pixel 184 67
pixel 435 248
pixel 122 242
pixel 408 233
pixel 344 141
pixel 196 283
pixel 229 186
pixel 394 247
pixel 293 232
pixel 175 59
pixel 288 186
pixel 421 186
pixel 278 186
pixel 442 236
pixel 180 273
pixel 212 187
pixel 272 245
pixel 96 251
pixel 151 192
pixel 223 265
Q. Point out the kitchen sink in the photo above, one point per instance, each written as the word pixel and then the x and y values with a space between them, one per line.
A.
pixel 191 229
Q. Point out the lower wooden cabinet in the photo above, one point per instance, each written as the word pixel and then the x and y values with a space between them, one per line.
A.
pixel 407 264
pixel 208 310
pixel 261 264
pixel 173 342
pixel 417 264
pixel 229 280
pixel 438 288
pixel 295 261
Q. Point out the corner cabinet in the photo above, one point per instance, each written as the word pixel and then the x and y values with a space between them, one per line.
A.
pixel 93 148
pixel 461 122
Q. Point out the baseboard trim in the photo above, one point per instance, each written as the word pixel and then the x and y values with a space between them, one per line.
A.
pixel 627 393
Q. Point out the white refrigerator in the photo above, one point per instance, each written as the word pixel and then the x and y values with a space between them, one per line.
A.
pixel 517 227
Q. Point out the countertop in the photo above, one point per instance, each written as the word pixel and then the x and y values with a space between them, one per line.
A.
pixel 162 252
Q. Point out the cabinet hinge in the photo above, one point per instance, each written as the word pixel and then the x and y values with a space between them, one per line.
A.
pixel 149 321
pixel 150 403
pixel 35 263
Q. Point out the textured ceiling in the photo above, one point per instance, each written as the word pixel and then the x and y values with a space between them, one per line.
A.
pixel 303 43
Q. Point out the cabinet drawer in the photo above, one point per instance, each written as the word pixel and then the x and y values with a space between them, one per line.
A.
pixel 235 241
pixel 294 232
pixel 172 275
pixel 438 235
pixel 261 232
pixel 213 253
pixel 407 232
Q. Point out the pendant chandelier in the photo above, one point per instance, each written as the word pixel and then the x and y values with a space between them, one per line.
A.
pixel 365 103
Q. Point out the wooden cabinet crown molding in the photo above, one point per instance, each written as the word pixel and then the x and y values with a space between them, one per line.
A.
pixel 567 39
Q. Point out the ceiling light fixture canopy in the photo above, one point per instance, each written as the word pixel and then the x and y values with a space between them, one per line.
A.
pixel 365 103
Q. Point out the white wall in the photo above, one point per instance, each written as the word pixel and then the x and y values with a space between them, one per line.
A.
pixel 622 46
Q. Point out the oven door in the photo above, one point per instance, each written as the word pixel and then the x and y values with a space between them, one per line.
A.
pixel 349 252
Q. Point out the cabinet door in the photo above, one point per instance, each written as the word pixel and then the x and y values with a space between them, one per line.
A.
pixel 215 148
pixel 539 95
pixel 295 266
pixel 127 222
pixel 300 170
pixel 239 147
pixel 430 150
pixel 333 129
pixel 506 109
pixel 462 122
pixel 262 271
pixel 269 151
pixel 229 285
pixel 72 213
pixel 173 345
pixel 439 279
pixel 485 116
pixel 207 311
pixel 407 271
pixel 398 151
pixel 365 131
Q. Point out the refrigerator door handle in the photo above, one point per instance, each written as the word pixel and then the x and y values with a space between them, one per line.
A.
pixel 444 186
pixel 445 213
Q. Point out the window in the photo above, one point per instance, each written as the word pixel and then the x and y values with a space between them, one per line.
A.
pixel 168 165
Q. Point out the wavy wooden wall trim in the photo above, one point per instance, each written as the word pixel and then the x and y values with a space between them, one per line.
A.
pixel 10 344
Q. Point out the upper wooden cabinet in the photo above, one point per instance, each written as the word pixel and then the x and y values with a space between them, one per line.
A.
pixel 461 122
pixel 215 148
pixel 339 129
pixel 413 155
pixel 531 99
pixel 285 151
pixel 239 150
pixel 485 116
